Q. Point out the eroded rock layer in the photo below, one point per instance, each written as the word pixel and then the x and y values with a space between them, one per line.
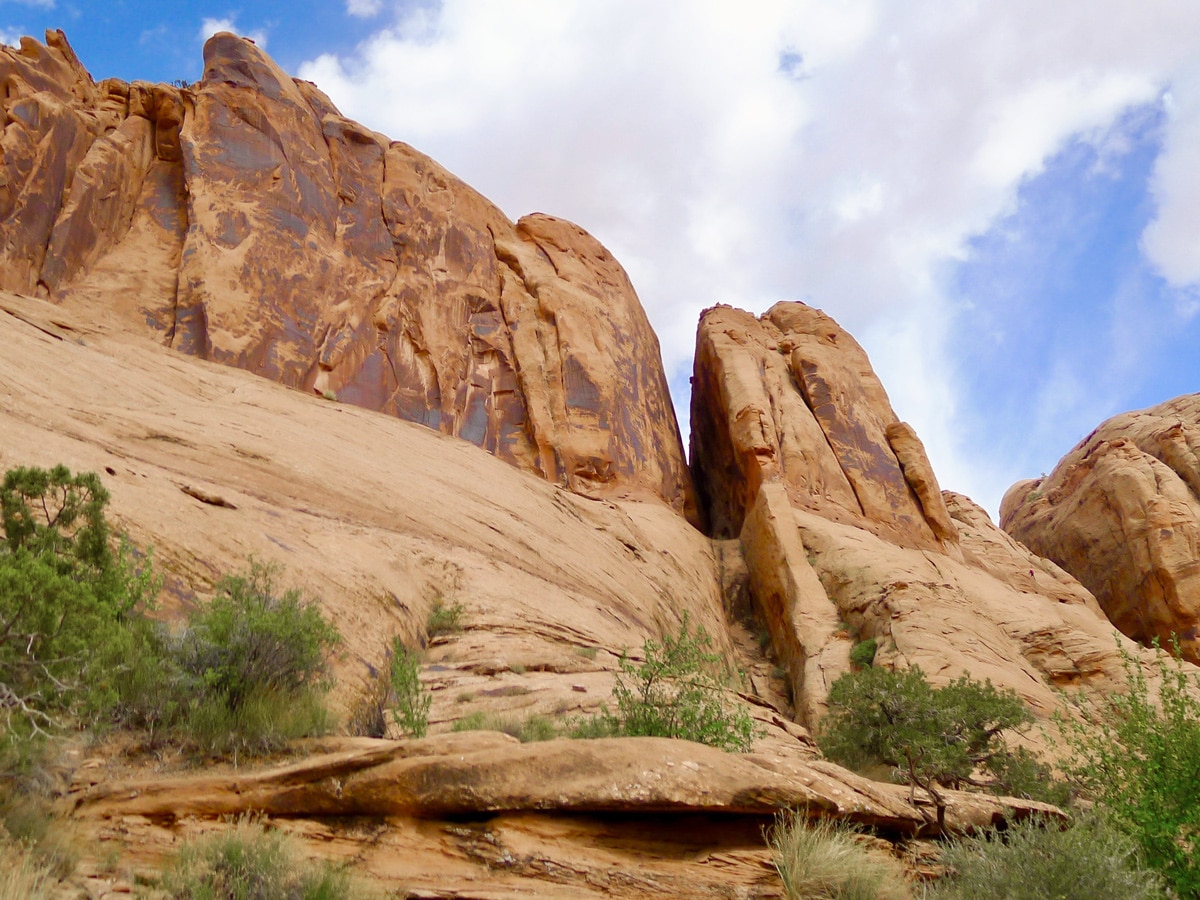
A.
pixel 244 220
pixel 1121 512
pixel 846 536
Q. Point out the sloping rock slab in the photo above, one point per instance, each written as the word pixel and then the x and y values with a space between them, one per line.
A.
pixel 487 772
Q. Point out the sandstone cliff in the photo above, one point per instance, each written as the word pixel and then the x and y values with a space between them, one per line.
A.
pixel 1121 512
pixel 207 464
pixel 846 535
pixel 245 221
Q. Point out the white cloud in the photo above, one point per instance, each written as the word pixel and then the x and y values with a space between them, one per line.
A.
pixel 10 38
pixel 364 9
pixel 842 153
pixel 1173 240
pixel 211 26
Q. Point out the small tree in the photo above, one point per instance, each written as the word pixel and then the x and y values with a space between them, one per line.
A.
pixel 1137 753
pixel 935 738
pixel 66 594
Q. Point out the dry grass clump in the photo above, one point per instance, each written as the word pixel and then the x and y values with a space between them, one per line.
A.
pixel 21 876
pixel 825 860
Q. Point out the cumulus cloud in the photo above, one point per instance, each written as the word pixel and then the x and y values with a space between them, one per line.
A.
pixel 211 26
pixel 843 154
pixel 10 38
pixel 1172 241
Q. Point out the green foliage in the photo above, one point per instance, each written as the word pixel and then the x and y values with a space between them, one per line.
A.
pixel 826 859
pixel 934 737
pixel 532 728
pixel 67 596
pixel 249 671
pixel 1041 860
pixel 246 862
pixel 251 640
pixel 444 619
pixel 411 712
pixel 678 692
pixel 862 654
pixel 1138 754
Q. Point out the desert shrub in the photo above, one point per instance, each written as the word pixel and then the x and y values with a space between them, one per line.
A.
pixel 1041 860
pixel 411 712
pixel 252 667
pixel 529 729
pixel 246 862
pixel 933 737
pixel 444 619
pixel 825 859
pixel 67 593
pixel 1137 753
pixel 678 692
pixel 862 654
pixel 252 640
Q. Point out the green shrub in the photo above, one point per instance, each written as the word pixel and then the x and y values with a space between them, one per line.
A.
pixel 678 692
pixel 862 654
pixel 411 712
pixel 933 737
pixel 444 619
pixel 252 641
pixel 1040 860
pixel 826 859
pixel 246 862
pixel 249 671
pixel 67 594
pixel 1137 753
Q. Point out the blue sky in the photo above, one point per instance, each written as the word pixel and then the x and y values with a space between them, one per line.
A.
pixel 996 197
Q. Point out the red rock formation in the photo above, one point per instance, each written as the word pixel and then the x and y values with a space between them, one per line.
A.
pixel 244 220
pixel 1121 512
pixel 791 397
pixel 847 537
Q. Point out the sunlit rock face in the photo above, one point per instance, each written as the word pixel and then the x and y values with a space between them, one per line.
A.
pixel 245 221
pixel 1121 512
pixel 846 536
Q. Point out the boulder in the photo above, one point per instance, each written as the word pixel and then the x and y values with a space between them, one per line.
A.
pixel 1121 512
pixel 245 221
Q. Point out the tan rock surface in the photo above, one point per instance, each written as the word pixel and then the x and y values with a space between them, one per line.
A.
pixel 245 221
pixel 846 535
pixel 696 809
pixel 1121 512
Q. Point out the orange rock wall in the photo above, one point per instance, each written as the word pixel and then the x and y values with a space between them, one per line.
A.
pixel 244 220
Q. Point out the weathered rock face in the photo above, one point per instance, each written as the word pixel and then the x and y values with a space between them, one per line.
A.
pixel 245 221
pixel 1121 512
pixel 791 398
pixel 846 536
